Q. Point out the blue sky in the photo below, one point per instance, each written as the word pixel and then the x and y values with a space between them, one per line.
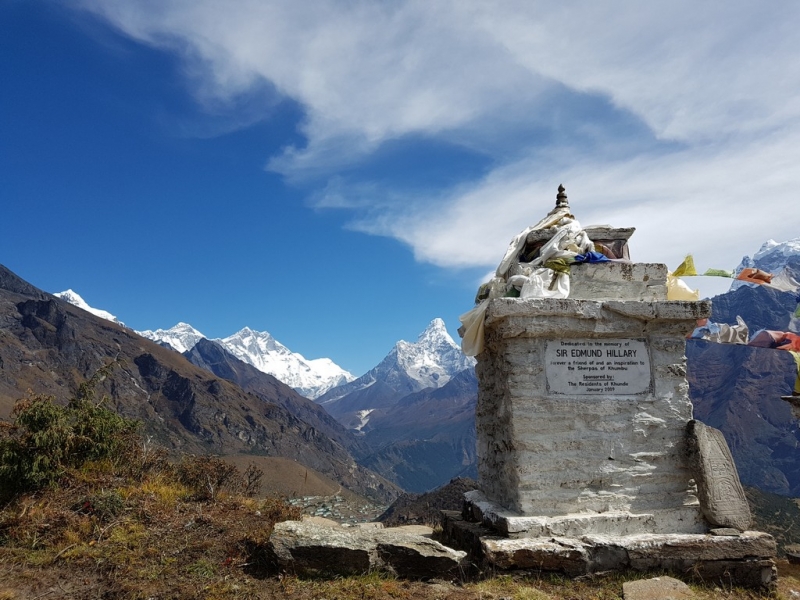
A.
pixel 340 173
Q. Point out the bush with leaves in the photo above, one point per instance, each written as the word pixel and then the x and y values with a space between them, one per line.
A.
pixel 45 439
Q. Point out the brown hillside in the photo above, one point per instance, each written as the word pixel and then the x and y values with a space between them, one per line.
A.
pixel 47 345
pixel 285 477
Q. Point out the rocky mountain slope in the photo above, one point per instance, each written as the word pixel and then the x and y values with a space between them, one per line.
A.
pixel 48 345
pixel 427 437
pixel 737 389
pixel 773 257
pixel 415 410
pixel 760 307
pixel 213 357
pixel 430 362
pixel 425 509
pixel 420 398
pixel 311 378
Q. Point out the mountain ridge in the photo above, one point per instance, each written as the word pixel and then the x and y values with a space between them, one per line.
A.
pixel 311 378
pixel 76 300
pixel 738 388
pixel 49 346
pixel 409 367
pixel 212 356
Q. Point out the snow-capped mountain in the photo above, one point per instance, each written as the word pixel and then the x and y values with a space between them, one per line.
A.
pixel 430 362
pixel 774 257
pixel 311 378
pixel 434 358
pixel 74 298
pixel 181 338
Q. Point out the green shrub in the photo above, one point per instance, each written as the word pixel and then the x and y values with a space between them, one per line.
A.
pixel 46 439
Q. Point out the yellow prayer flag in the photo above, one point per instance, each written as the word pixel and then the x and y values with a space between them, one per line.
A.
pixel 686 267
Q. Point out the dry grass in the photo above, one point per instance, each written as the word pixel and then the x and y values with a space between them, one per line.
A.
pixel 123 540
pixel 100 535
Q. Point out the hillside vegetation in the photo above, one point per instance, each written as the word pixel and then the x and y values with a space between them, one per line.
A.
pixel 91 510
pixel 49 346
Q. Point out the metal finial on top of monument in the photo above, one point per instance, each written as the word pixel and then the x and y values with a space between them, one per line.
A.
pixel 561 198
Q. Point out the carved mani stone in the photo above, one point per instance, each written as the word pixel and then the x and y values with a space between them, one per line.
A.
pixel 721 495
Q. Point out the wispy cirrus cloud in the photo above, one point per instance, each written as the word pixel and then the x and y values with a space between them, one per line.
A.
pixel 717 202
pixel 678 118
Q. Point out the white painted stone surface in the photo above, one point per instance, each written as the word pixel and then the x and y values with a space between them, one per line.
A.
pixel 618 281
pixel 610 523
pixel 546 452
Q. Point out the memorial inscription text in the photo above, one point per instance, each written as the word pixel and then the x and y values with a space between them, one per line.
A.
pixel 601 366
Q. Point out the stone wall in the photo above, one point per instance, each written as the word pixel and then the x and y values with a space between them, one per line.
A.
pixel 546 452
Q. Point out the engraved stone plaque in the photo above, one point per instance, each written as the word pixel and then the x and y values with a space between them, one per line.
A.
pixel 597 367
pixel 722 497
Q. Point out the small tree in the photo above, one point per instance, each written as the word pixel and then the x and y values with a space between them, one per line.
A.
pixel 45 439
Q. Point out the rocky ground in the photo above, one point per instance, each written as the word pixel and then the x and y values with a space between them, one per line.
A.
pixel 338 508
pixel 425 509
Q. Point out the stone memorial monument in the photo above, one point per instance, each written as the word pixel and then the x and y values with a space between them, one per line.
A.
pixel 588 457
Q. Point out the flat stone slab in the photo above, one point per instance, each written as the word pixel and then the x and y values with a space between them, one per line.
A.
pixel 657 588
pixel 313 548
pixel 478 508
pixel 721 495
pixel 672 310
pixel 745 559
pixel 690 547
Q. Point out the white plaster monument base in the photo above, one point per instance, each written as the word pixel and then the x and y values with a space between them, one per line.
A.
pixel 582 410
pixel 582 445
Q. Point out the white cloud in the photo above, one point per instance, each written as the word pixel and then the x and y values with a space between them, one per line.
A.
pixel 717 84
pixel 690 70
pixel 716 202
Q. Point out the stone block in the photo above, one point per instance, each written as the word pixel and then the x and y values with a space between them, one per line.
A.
pixel 721 494
pixel 309 548
pixel 316 549
pixel 657 588
pixel 759 574
pixel 415 557
pixel 464 534
pixel 741 560
pixel 618 281
pixel 555 554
